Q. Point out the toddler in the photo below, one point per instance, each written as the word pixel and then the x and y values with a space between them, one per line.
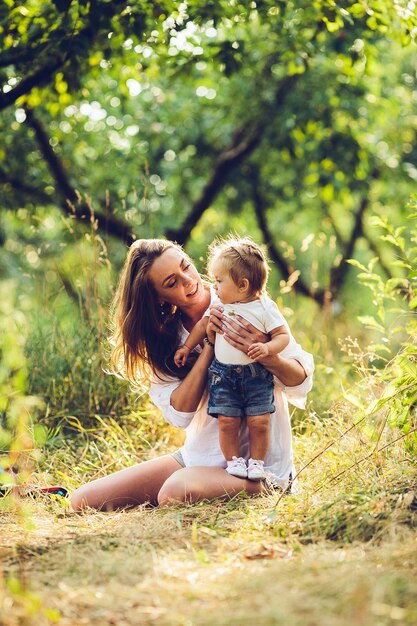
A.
pixel 240 387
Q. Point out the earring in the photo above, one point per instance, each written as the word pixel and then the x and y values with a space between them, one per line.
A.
pixel 161 309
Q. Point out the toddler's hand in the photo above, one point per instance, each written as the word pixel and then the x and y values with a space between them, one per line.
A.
pixel 258 351
pixel 181 356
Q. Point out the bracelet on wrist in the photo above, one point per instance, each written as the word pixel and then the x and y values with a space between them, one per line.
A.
pixel 208 342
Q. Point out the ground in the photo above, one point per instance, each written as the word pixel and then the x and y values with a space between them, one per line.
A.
pixel 223 563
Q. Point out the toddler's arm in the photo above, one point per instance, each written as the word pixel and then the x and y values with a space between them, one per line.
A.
pixel 195 337
pixel 279 340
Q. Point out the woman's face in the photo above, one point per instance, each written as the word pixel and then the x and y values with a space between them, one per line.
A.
pixel 176 280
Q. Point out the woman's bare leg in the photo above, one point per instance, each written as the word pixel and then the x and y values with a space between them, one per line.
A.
pixel 191 484
pixel 129 487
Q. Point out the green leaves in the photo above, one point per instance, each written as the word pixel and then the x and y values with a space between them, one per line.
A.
pixel 16 408
pixel 208 79
pixel 398 325
pixel 371 322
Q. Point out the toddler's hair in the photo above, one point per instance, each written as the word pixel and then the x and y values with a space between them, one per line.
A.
pixel 240 258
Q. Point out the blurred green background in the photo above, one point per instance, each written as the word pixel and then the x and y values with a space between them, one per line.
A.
pixel 293 122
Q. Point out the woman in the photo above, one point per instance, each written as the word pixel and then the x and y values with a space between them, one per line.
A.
pixel 160 298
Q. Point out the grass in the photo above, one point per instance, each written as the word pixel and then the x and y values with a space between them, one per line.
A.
pixel 341 551
pixel 152 567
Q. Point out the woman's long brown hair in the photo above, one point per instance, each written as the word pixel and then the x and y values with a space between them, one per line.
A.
pixel 144 333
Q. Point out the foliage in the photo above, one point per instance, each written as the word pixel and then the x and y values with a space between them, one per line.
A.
pixel 17 432
pixel 150 102
pixel 391 360
pixel 20 442
pixel 67 346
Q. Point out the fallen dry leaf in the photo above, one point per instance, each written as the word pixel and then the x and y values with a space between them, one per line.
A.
pixel 262 551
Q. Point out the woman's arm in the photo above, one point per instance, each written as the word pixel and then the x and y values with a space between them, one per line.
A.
pixel 186 397
pixel 289 371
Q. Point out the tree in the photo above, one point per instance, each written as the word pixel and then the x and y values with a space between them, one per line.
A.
pixel 271 111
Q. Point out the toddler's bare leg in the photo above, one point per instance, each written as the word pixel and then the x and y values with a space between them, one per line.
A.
pixel 229 436
pixel 258 426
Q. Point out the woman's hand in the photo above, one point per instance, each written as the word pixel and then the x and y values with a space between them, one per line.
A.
pixel 216 319
pixel 240 333
pixel 215 323
pixel 211 332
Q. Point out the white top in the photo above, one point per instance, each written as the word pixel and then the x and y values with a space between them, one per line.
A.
pixel 263 313
pixel 201 447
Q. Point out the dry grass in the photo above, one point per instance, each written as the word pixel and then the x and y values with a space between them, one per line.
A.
pixel 169 567
pixel 340 552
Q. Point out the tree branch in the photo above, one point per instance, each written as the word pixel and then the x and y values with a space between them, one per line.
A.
pixel 19 186
pixel 243 143
pixel 285 268
pixel 338 274
pixel 41 76
pixel 71 205
pixel 13 56
pixel 75 296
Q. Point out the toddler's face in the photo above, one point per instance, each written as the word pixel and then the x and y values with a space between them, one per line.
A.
pixel 224 286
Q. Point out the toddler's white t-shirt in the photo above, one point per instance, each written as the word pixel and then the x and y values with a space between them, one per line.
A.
pixel 263 313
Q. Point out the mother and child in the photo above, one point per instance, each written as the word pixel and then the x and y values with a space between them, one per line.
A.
pixel 222 364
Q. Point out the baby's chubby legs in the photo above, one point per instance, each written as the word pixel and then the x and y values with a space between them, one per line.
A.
pixel 258 427
pixel 229 436
pixel 229 444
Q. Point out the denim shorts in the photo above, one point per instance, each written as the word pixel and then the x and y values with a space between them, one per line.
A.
pixel 239 390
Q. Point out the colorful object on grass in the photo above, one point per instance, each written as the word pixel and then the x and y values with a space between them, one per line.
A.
pixel 5 490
